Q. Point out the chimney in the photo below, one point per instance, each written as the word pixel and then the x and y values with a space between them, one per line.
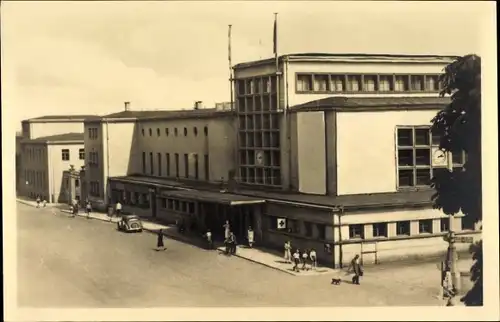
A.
pixel 127 106
pixel 198 105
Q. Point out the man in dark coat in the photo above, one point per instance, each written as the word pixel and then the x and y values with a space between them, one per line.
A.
pixel 159 243
pixel 355 266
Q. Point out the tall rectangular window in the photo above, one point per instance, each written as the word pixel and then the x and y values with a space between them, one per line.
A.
pixel 196 167
pixel 425 226
pixel 356 231
pixel 417 83
pixel 369 83
pixel 144 162
pixel 431 83
pixel 168 164
pixel 159 164
pixel 65 154
pixel 321 83
pixel 81 153
pixel 177 165
pixel 207 167
pixel 151 164
pixel 401 83
pixel 337 83
pixel 186 165
pixel 384 83
pixel 353 83
pixel 304 83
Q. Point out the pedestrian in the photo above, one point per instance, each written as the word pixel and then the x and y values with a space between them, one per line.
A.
pixel 227 229
pixel 38 201
pixel 88 209
pixel 208 235
pixel 314 259
pixel 250 236
pixel 305 256
pixel 44 202
pixel 159 242
pixel 232 242
pixel 296 260
pixel 355 266
pixel 288 252
pixel 118 208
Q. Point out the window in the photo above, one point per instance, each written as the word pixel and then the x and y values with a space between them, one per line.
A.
pixel 163 203
pixel 417 83
pixel 196 166
pixel 166 131
pixel 144 162
pixel 356 232
pixel 168 164
pixel 65 154
pixel 353 83
pixel 380 229
pixel 81 153
pixel 186 165
pixel 320 83
pixel 185 131
pixel 414 154
pixel 142 130
pixel 77 183
pixel 207 167
pixel 337 84
pixel 150 132
pixel 321 231
pixel 205 130
pixel 403 228
pixel 425 226
pixel 159 164
pixel 308 229
pixel 249 87
pixel 293 226
pixel 151 164
pixel 195 131
pixel 400 83
pixel 176 132
pixel 369 83
pixel 445 224
pixel 304 83
pixel 431 83
pixel 177 165
pixel 157 132
pixel 266 85
pixel 384 84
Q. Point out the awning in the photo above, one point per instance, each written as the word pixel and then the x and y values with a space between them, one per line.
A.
pixel 211 196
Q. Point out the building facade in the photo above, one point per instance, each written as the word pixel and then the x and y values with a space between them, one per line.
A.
pixel 44 161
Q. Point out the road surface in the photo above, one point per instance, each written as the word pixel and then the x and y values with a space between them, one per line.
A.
pixel 75 262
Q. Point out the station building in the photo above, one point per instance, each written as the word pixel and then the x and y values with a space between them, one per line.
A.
pixel 332 150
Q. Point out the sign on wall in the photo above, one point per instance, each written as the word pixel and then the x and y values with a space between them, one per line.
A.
pixel 281 223
pixel 438 157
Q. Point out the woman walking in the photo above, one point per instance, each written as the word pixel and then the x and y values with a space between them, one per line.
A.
pixel 159 243
pixel 250 236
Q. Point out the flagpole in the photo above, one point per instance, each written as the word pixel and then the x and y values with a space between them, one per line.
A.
pixel 285 116
pixel 230 68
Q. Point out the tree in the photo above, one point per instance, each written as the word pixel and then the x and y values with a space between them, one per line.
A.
pixel 459 128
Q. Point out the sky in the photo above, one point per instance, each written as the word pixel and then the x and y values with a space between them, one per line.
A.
pixel 89 57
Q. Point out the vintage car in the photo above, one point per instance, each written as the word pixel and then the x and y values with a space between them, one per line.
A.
pixel 130 223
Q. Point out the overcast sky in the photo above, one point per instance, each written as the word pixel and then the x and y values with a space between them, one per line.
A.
pixel 89 57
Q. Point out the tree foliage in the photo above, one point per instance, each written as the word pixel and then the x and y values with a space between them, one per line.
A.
pixel 459 128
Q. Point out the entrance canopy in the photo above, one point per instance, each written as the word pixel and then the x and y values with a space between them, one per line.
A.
pixel 211 196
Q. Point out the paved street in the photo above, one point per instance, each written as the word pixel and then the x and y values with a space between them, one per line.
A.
pixel 75 262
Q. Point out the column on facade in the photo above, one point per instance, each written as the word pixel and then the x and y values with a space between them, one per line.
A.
pixel 414 228
pixel 436 225
pixel 368 231
pixel 456 224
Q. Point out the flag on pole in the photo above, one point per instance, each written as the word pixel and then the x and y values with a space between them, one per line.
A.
pixel 275 34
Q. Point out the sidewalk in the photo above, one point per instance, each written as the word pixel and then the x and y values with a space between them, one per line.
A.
pixel 271 260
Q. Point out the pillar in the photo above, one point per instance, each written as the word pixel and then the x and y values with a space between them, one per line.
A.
pixel 414 228
pixel 258 231
pixel 391 229
pixel 436 225
pixel 368 231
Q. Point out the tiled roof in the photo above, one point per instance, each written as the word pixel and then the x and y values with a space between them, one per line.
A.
pixel 59 138
pixel 151 114
pixel 342 101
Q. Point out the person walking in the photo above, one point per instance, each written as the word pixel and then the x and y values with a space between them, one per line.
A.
pixel 44 203
pixel 355 266
pixel 232 243
pixel 118 208
pixel 159 242
pixel 227 229
pixel 208 235
pixel 250 235
pixel 88 209
pixel 38 201
pixel 305 256
pixel 296 260
pixel 313 258
pixel 288 252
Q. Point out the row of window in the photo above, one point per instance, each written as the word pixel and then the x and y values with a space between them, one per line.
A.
pixel 176 132
pixel 191 158
pixel 402 228
pixel 65 154
pixel 418 156
pixel 135 199
pixel 178 205
pixel 366 83
pixel 266 84
pixel 93 133
pixel 36 179
pixel 36 154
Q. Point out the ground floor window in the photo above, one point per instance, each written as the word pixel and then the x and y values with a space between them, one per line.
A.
pixel 356 232
pixel 321 231
pixel 445 224
pixel 425 226
pixel 308 229
pixel 380 230
pixel 403 228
